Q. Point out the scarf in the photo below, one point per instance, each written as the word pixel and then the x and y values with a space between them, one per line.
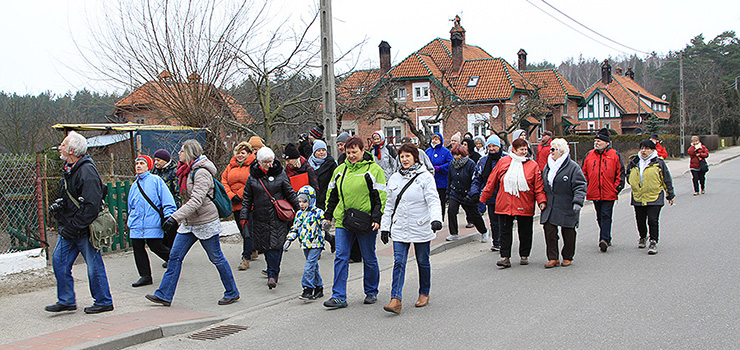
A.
pixel 554 165
pixel 489 163
pixel 315 163
pixel 410 170
pixel 514 179
pixel 645 161
pixel 459 163
pixel 376 149
pixel 183 170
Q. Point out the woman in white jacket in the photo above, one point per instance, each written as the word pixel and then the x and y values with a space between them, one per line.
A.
pixel 412 215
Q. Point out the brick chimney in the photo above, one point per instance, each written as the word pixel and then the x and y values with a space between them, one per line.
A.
pixel 457 37
pixel 385 56
pixel 618 71
pixel 630 73
pixel 522 59
pixel 606 72
pixel 194 78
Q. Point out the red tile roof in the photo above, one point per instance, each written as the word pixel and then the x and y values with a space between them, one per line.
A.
pixel 554 88
pixel 497 80
pixel 623 91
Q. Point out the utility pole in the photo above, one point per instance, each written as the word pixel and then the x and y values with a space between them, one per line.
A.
pixel 683 118
pixel 329 97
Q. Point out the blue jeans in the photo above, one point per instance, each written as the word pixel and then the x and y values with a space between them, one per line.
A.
pixel 371 273
pixel 400 256
pixel 311 275
pixel 64 257
pixel 604 211
pixel 181 246
pixel 273 258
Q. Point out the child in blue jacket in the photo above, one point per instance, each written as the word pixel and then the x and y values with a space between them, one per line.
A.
pixel 307 228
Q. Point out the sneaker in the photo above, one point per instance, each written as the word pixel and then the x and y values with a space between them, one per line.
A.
pixel 696 193
pixel 484 237
pixel 244 264
pixel 641 242
pixel 451 238
pixel 524 260
pixel 603 246
pixel 504 262
pixel 370 299
pixel 264 273
pixel 653 247
pixel 335 303
pixel 307 294
pixel 469 225
pixel 703 192
pixel 318 293
pixel 495 248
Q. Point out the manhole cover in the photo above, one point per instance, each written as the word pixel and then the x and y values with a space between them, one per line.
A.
pixel 218 332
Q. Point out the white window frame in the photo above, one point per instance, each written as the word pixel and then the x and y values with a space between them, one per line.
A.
pixel 351 132
pixel 477 123
pixel 397 134
pixel 591 126
pixel 440 125
pixel 397 94
pixel 423 93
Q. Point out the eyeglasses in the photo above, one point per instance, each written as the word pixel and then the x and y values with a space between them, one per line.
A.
pixel 268 162
pixel 552 150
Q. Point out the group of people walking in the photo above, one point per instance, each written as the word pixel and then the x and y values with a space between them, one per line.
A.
pixel 401 194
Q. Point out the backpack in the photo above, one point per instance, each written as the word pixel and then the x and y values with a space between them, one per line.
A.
pixel 220 198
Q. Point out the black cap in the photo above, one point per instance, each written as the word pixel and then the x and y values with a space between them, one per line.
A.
pixel 647 144
pixel 603 135
pixel 655 136
pixel 291 152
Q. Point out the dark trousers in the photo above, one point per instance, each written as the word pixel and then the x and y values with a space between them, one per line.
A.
pixel 471 211
pixel 604 210
pixel 169 239
pixel 247 244
pixel 647 218
pixel 495 220
pixel 551 241
pixel 355 253
pixel 442 199
pixel 273 258
pixel 524 229
pixel 698 178
pixel 142 258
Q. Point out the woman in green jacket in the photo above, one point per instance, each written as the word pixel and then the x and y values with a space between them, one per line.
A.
pixel 359 184
pixel 651 183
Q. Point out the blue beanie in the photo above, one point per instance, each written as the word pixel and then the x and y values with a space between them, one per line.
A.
pixel 317 145
pixel 493 140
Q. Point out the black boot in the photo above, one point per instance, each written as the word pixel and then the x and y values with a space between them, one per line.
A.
pixel 318 293
pixel 143 281
pixel 307 294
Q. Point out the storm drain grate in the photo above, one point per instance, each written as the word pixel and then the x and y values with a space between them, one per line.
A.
pixel 218 332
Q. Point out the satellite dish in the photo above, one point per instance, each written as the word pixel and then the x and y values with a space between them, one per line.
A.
pixel 663 97
pixel 494 111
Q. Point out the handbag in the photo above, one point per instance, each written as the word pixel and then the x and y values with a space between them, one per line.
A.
pixel 103 228
pixel 159 211
pixel 284 210
pixel 703 166
pixel 354 220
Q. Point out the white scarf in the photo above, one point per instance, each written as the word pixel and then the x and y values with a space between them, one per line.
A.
pixel 554 167
pixel 644 162
pixel 514 179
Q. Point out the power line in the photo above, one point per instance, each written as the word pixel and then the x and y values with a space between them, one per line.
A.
pixel 593 31
pixel 574 29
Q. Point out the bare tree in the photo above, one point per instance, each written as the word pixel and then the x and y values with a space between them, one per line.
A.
pixel 26 121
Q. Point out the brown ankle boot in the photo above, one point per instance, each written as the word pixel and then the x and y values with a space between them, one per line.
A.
pixel 394 306
pixel 254 256
pixel 422 301
pixel 244 264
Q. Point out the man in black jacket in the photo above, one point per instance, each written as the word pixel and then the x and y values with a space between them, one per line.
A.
pixel 81 194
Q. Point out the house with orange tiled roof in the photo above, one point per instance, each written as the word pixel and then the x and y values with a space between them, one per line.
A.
pixel 482 90
pixel 617 102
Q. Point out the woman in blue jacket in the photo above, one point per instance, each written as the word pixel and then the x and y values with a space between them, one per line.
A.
pixel 441 158
pixel 144 220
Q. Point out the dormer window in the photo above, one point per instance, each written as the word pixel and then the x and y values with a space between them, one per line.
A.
pixel 473 81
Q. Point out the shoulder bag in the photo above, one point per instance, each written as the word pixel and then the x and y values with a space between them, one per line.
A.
pixel 103 228
pixel 159 211
pixel 283 208
pixel 355 220
pixel 398 198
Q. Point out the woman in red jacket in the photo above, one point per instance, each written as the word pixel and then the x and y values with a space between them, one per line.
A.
pixel 234 178
pixel 520 181
pixel 698 154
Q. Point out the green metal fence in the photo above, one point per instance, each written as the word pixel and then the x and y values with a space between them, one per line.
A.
pixel 117 200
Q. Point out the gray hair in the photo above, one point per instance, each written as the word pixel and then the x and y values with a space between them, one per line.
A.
pixel 191 150
pixel 78 143
pixel 264 154
pixel 561 145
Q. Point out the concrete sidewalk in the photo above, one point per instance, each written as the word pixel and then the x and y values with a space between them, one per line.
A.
pixel 135 320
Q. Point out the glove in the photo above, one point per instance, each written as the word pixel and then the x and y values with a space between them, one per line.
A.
pixel 436 168
pixel 481 207
pixel 436 225
pixel 236 199
pixel 385 236
pixel 169 225
pixel 577 207
pixel 468 198
pixel 243 222
pixel 286 245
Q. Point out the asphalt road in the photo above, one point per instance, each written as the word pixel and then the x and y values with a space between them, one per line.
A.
pixel 685 297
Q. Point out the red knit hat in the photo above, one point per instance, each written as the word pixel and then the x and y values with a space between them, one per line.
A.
pixel 148 159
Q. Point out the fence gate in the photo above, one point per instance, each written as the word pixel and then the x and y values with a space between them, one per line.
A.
pixel 20 204
pixel 117 200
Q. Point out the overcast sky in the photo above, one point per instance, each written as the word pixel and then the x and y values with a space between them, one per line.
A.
pixel 39 53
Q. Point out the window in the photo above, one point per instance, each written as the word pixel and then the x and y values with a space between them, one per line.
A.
pixel 400 94
pixel 606 110
pixel 608 125
pixel 435 128
pixel 421 91
pixel 351 132
pixel 591 109
pixel 393 134
pixel 478 123
pixel 591 126
pixel 473 81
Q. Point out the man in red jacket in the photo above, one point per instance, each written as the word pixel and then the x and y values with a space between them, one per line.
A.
pixel 604 172
pixel 662 153
pixel 543 149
